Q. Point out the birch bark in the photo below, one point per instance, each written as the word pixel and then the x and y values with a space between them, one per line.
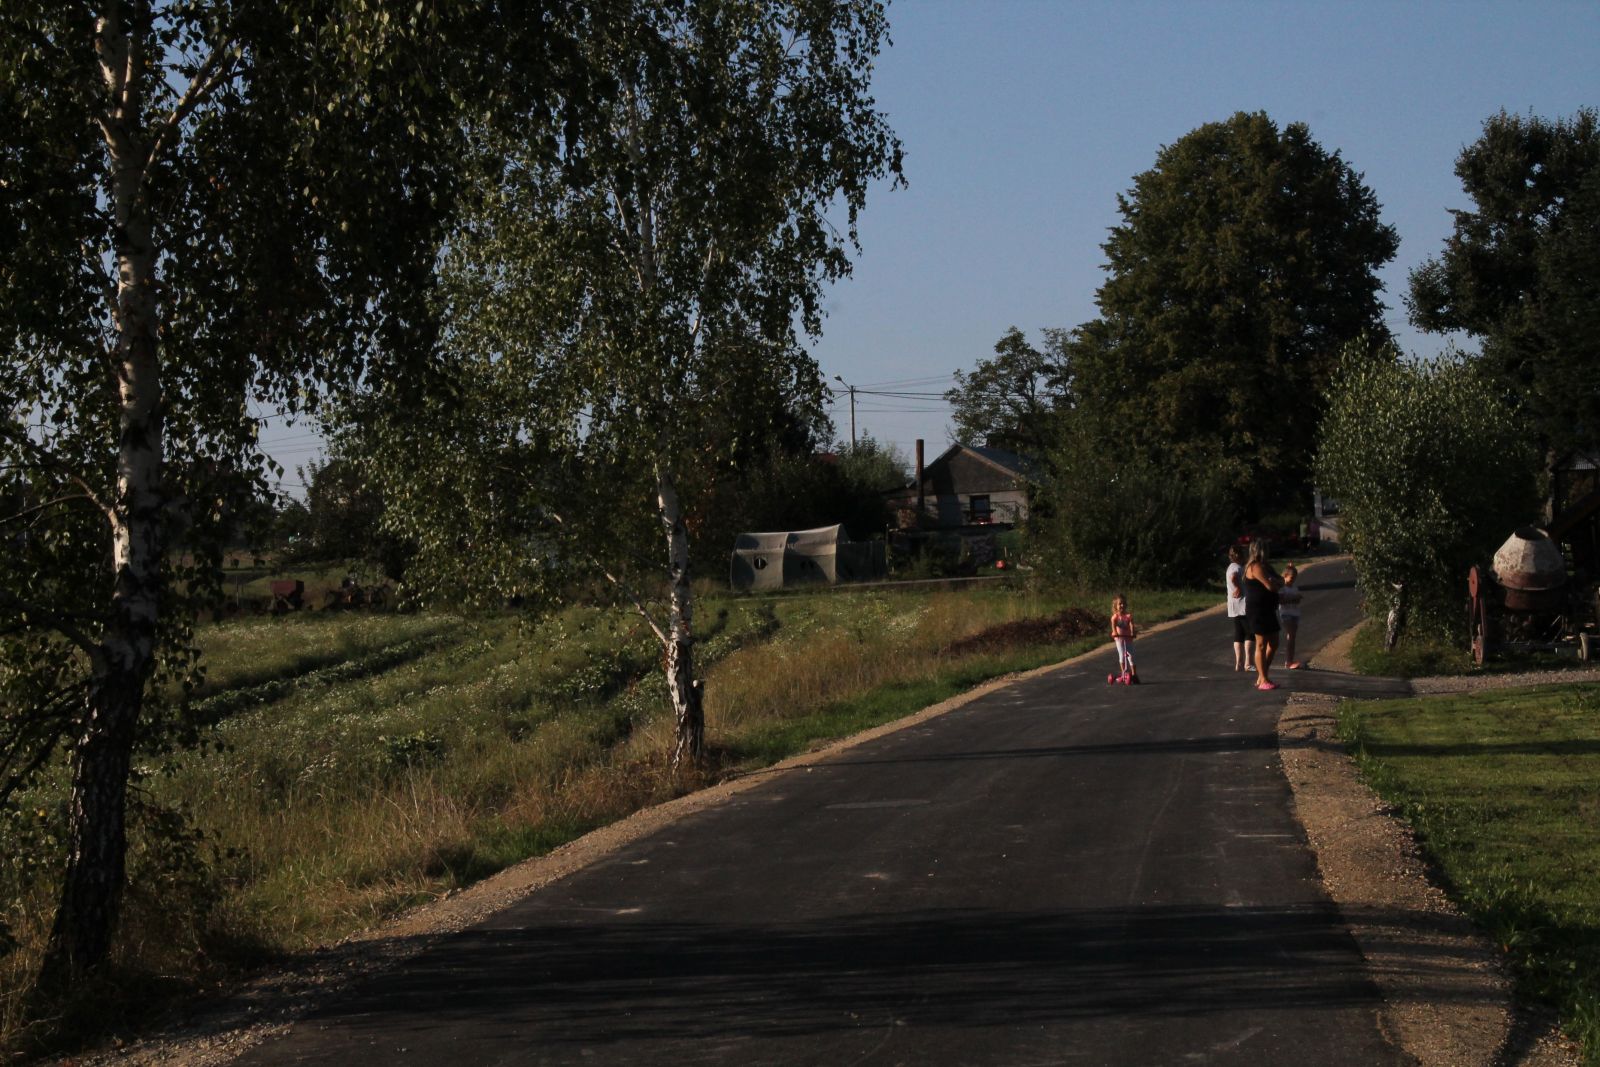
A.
pixel 687 708
pixel 125 654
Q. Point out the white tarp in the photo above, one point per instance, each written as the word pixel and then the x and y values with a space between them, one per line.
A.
pixel 777 560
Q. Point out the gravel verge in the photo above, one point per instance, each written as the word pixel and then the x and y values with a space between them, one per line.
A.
pixel 1471 683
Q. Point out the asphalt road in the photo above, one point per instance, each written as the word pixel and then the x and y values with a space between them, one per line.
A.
pixel 1059 872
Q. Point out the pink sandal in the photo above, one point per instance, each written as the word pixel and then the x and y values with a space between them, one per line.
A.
pixel 1266 685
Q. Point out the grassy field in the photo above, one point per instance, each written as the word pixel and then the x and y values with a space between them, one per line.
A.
pixel 1503 788
pixel 358 764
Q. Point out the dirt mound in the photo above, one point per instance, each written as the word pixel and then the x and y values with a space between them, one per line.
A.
pixel 1052 630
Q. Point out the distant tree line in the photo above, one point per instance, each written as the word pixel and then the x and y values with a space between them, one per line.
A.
pixel 1242 306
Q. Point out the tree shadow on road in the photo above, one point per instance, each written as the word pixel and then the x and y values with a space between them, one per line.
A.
pixel 607 982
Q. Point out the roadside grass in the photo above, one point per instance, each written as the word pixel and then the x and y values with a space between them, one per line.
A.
pixel 1503 789
pixel 1421 655
pixel 1414 655
pixel 248 653
pixel 358 764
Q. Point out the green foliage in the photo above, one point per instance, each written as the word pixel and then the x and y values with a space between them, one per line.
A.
pixel 344 519
pixel 865 472
pixel 210 209
pixel 625 312
pixel 1521 270
pixel 1109 516
pixel 1246 257
pixel 1432 471
pixel 1007 401
pixel 415 749
pixel 801 491
pixel 1415 655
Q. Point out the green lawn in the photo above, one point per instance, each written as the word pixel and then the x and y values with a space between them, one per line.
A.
pixel 1503 788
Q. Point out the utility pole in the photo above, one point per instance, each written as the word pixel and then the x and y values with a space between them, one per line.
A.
pixel 852 389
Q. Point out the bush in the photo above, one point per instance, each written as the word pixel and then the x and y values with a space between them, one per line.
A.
pixel 1109 517
pixel 1431 470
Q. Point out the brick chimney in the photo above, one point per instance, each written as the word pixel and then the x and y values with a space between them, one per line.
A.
pixel 922 500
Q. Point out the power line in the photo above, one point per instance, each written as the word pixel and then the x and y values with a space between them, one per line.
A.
pixel 906 382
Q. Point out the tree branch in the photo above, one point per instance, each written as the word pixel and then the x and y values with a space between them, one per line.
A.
pixel 116 65
pixel 49 459
pixel 211 73
pixel 44 729
pixel 625 589
pixel 47 505
pixel 58 622
pixel 705 280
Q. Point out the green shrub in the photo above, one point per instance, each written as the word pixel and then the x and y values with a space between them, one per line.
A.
pixel 1432 471
pixel 1108 516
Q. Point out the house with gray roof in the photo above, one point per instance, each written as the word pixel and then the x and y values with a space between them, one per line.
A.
pixel 967 486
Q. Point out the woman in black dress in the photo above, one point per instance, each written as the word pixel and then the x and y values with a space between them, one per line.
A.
pixel 1261 585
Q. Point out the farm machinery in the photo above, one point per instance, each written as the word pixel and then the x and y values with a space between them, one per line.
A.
pixel 290 594
pixel 1526 601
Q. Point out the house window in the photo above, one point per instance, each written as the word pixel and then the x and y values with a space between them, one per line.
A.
pixel 978 510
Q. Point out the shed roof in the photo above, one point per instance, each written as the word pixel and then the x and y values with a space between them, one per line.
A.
pixel 775 540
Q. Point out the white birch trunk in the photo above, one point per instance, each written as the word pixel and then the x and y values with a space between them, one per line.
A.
pixel 93 881
pixel 687 708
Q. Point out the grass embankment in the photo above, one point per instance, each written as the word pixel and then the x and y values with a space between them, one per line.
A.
pixel 1503 789
pixel 358 764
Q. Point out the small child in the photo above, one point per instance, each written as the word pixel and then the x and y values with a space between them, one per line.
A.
pixel 1289 614
pixel 1123 633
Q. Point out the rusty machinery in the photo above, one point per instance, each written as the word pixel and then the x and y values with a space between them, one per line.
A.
pixel 1527 602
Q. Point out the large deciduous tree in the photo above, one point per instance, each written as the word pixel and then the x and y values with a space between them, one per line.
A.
pixel 1521 270
pixel 208 208
pixel 626 314
pixel 1245 258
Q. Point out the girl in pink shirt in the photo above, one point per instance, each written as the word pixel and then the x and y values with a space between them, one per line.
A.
pixel 1123 632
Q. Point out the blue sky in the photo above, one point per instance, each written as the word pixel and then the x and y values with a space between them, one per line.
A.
pixel 1023 120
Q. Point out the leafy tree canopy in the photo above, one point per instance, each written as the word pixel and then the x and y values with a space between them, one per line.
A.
pixel 1521 270
pixel 208 208
pixel 1246 257
pixel 343 518
pixel 1007 401
pixel 1106 517
pixel 626 312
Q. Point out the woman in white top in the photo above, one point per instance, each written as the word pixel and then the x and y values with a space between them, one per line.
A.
pixel 1289 614
pixel 1243 639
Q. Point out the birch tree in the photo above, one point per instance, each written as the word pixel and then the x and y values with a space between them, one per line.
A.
pixel 623 313
pixel 209 210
